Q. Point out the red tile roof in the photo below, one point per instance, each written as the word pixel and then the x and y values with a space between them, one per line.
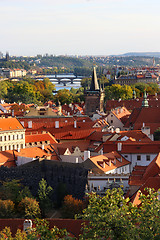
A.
pixel 7 159
pixel 132 147
pixel 9 124
pixel 39 138
pixel 109 161
pixel 141 176
pixel 149 116
pixel 131 104
pixel 72 226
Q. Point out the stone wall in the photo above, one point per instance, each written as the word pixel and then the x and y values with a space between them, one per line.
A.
pixel 74 176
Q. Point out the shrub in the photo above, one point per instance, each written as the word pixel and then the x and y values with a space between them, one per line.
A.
pixel 6 208
pixel 72 206
pixel 29 208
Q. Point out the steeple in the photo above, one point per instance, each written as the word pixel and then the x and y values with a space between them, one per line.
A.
pixel 94 82
pixel 145 101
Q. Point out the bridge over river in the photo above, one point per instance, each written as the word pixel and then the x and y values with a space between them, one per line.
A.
pixel 61 79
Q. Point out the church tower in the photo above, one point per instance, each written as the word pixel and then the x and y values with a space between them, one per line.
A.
pixel 94 98
pixel 145 101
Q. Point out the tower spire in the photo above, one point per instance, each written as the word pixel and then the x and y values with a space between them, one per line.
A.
pixel 145 101
pixel 94 83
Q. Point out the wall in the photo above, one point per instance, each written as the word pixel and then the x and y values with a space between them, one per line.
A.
pixel 143 162
pixel 73 176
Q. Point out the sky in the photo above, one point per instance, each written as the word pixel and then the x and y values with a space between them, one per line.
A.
pixel 79 27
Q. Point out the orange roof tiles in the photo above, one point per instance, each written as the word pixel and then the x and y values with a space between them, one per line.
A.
pixel 39 138
pixel 131 104
pixel 109 161
pixel 121 112
pixel 149 116
pixel 7 159
pixel 32 152
pixel 9 124
pixel 81 144
pixel 133 147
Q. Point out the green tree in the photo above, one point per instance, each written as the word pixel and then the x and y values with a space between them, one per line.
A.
pixel 64 96
pixel 156 134
pixel 44 193
pixel 6 209
pixel 40 231
pixel 3 89
pixel 85 83
pixel 108 218
pixel 113 217
pixel 29 208
pixel 127 92
pixel 10 190
pixel 72 206
pixel 103 81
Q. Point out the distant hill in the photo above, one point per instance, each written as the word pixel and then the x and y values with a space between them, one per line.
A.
pixel 142 54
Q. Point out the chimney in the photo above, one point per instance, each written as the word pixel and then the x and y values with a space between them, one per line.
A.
pixel 27 225
pixel 101 151
pixel 75 124
pixel 42 146
pixel 103 165
pixel 119 146
pixel 12 113
pixel 56 124
pixel 86 155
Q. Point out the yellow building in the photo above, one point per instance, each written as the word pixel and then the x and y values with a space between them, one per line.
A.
pixel 12 134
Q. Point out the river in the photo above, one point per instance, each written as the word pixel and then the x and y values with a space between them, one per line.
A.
pixel 68 85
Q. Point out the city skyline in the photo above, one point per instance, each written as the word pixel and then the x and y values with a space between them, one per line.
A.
pixel 79 27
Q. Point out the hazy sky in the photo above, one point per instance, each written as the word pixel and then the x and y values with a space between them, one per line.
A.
pixel 79 27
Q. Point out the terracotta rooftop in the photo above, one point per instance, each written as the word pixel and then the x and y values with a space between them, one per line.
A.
pixel 132 147
pixel 149 116
pixel 39 138
pixel 71 225
pixel 109 161
pixel 9 124
pixel 7 159
pixel 131 104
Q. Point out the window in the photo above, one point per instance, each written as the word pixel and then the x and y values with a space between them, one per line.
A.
pixel 22 146
pixel 126 156
pixel 111 121
pixel 138 157
pixel 0 138
pixel 148 158
pixel 5 138
pixel 9 137
pixel 21 136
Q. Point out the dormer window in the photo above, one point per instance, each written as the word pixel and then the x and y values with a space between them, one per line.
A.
pixel 148 158
pixel 138 157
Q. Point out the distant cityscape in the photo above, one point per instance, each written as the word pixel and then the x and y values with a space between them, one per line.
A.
pixel 75 127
